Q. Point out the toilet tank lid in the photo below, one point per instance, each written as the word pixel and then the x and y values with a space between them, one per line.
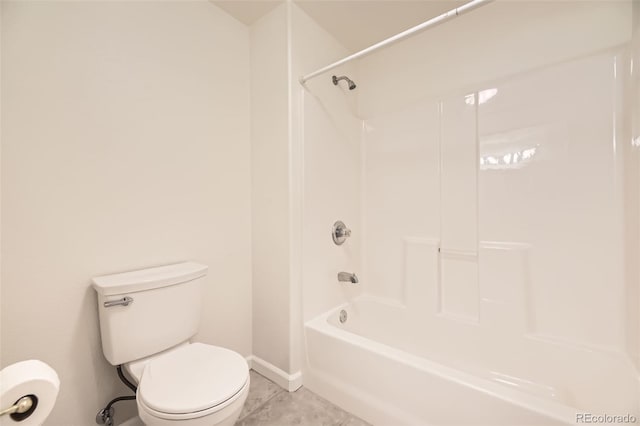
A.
pixel 147 279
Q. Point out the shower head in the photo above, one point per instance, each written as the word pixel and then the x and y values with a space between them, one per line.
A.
pixel 352 85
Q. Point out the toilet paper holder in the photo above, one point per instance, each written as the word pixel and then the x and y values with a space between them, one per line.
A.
pixel 22 408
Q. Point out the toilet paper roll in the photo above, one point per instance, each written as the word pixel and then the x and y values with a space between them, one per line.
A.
pixel 31 377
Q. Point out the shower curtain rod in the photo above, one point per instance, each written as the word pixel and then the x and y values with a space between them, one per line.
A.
pixel 453 13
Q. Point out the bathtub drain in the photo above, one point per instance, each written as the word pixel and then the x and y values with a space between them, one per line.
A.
pixel 343 316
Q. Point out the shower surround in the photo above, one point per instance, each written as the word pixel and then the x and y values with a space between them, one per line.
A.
pixel 492 188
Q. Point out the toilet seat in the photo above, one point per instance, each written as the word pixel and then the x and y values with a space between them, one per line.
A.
pixel 213 414
pixel 192 381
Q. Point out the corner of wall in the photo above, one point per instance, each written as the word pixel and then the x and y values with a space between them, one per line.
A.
pixel 270 189
pixel 289 382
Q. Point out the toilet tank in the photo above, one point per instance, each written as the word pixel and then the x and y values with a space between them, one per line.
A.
pixel 147 311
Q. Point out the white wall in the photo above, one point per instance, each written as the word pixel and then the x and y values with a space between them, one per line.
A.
pixel 329 135
pixel 293 204
pixel 1 360
pixel 270 188
pixel 632 208
pixel 125 144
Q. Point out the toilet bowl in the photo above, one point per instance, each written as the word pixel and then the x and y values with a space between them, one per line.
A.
pixel 195 384
pixel 147 319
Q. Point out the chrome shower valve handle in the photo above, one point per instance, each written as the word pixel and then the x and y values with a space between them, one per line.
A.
pixel 340 233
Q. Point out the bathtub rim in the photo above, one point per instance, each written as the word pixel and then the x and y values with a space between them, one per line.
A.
pixel 542 406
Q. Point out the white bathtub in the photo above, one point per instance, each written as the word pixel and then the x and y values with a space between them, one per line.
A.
pixel 384 368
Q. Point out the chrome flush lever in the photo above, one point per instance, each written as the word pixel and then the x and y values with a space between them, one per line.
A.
pixel 125 301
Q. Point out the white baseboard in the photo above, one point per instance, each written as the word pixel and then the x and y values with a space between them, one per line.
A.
pixel 290 382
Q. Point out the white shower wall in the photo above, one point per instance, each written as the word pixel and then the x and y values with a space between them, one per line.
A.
pixel 329 136
pixel 291 216
pixel 499 199
pixel 510 151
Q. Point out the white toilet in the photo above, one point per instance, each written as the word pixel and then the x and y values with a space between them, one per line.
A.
pixel 146 320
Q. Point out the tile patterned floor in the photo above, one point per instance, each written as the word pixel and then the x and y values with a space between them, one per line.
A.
pixel 270 405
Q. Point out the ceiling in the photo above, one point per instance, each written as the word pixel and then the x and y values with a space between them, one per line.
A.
pixel 247 11
pixel 356 24
pixel 360 23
